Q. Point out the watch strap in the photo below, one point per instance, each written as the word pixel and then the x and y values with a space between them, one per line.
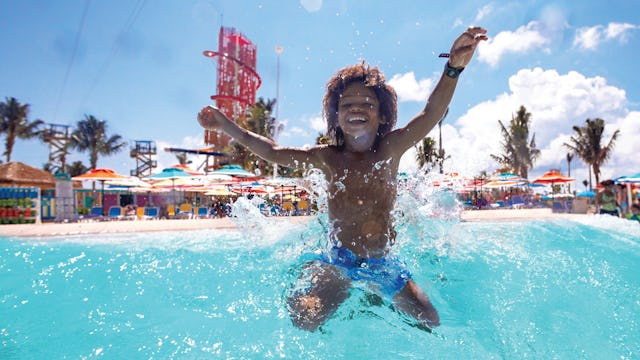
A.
pixel 452 72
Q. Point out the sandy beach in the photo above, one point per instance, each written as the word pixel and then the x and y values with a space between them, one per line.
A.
pixel 105 227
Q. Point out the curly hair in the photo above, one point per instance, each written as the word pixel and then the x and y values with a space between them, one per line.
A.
pixel 372 78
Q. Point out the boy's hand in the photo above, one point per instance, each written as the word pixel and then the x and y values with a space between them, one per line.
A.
pixel 465 45
pixel 211 118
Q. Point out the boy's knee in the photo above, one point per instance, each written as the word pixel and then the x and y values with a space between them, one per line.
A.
pixel 307 312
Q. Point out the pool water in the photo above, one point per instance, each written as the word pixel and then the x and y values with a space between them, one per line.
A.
pixel 523 289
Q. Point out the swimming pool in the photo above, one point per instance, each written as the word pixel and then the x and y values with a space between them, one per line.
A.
pixel 521 289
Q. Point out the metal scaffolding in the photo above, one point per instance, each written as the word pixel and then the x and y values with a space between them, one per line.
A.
pixel 237 80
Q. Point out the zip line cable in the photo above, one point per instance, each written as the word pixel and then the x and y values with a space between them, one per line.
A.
pixel 133 17
pixel 71 61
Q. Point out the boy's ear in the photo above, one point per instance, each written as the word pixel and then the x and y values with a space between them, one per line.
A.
pixel 383 120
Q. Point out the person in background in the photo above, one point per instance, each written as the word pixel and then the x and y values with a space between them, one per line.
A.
pixel 621 198
pixel 635 213
pixel 606 200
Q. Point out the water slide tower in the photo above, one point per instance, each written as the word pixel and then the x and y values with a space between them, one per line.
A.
pixel 237 80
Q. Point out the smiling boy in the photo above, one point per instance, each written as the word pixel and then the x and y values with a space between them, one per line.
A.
pixel 361 167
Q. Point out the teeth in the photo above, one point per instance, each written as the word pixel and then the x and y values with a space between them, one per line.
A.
pixel 357 119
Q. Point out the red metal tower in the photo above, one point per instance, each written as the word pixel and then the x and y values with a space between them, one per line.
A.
pixel 237 81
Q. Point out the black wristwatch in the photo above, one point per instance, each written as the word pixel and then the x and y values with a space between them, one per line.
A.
pixel 451 71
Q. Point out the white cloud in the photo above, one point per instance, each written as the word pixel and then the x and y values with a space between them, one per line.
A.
pixel 311 5
pixel 619 31
pixel 318 124
pixel 410 89
pixel 483 11
pixel 557 102
pixel 523 40
pixel 589 38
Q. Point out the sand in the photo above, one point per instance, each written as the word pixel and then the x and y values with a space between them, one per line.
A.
pixel 124 226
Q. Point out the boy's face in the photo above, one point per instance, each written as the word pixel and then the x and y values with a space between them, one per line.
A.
pixel 359 111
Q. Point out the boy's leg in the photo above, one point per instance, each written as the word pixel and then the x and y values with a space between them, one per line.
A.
pixel 413 301
pixel 325 290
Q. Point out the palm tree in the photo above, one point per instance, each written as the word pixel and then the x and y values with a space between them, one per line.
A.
pixel 519 153
pixel 322 139
pixel 14 123
pixel 426 153
pixel 91 135
pixel 569 158
pixel 76 168
pixel 182 158
pixel 258 120
pixel 587 145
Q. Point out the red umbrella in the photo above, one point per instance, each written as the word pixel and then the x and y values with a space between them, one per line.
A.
pixel 553 177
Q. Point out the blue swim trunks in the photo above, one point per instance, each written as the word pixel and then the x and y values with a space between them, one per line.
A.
pixel 389 273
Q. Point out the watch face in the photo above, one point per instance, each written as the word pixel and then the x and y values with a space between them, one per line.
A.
pixel 452 73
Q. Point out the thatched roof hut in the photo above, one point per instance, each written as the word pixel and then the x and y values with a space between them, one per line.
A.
pixel 19 174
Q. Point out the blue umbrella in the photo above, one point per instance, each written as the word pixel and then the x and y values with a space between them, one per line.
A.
pixel 170 174
pixel 234 170
pixel 630 179
pixel 586 193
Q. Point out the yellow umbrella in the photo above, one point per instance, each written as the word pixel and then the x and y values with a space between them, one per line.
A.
pixel 219 191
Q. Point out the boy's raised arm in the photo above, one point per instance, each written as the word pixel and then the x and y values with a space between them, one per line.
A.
pixel 211 118
pixel 461 53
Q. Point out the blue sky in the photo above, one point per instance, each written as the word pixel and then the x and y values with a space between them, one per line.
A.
pixel 139 65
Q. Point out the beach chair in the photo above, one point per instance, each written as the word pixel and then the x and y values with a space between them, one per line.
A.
pixel 288 208
pixel 171 211
pixel 517 202
pixel 152 212
pixel 95 213
pixel 275 210
pixel 115 213
pixel 140 211
pixel 558 207
pixel 185 211
pixel 202 212
pixel 303 207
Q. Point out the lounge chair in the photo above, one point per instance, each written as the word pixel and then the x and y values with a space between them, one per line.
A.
pixel 303 207
pixel 115 213
pixel 95 213
pixel 152 212
pixel 185 211
pixel 288 208
pixel 517 202
pixel 202 212
pixel 140 213
pixel 171 211
pixel 558 207
pixel 275 210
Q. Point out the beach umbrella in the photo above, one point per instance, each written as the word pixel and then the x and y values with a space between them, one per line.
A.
pixel 631 180
pixel 234 170
pixel 586 193
pixel 503 184
pixel 219 191
pixel 187 169
pixel 553 177
pixel 128 182
pixel 170 174
pixel 178 182
pixel 102 175
pixel 216 178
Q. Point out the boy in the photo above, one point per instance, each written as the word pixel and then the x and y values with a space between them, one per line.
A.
pixel 360 166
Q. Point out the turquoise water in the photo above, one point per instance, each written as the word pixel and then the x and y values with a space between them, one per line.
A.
pixel 504 290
